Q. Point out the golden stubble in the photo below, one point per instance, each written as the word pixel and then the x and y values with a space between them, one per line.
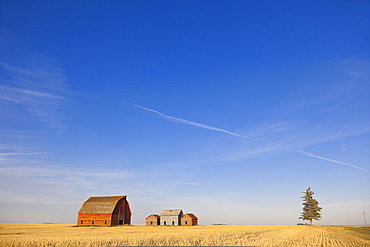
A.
pixel 222 235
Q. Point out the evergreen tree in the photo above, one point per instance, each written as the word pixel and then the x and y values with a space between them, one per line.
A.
pixel 311 209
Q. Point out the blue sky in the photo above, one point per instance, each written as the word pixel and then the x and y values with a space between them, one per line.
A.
pixel 227 109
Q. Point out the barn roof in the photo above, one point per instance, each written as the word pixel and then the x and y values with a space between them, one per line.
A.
pixel 191 216
pixel 171 212
pixel 153 215
pixel 100 205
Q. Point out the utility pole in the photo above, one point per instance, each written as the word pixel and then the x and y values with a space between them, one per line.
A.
pixel 364 217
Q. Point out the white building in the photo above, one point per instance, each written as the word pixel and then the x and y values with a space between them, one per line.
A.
pixel 171 217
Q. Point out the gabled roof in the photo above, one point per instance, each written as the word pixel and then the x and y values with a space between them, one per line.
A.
pixel 153 215
pixel 100 205
pixel 191 216
pixel 171 212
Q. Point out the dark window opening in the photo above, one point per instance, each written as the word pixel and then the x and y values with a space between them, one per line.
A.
pixel 92 222
pixel 151 222
pixel 105 222
pixel 82 221
pixel 173 222
pixel 164 222
pixel 120 222
pixel 186 222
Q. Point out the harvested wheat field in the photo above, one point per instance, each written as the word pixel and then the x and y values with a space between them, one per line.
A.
pixel 137 235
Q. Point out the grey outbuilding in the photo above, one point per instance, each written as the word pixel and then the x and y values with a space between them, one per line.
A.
pixel 171 217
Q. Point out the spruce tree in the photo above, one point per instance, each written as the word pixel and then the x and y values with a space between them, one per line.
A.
pixel 311 209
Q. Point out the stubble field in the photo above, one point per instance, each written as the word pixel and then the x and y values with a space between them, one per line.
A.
pixel 137 235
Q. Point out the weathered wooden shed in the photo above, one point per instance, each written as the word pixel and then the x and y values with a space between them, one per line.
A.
pixel 189 220
pixel 153 220
pixel 105 211
pixel 171 217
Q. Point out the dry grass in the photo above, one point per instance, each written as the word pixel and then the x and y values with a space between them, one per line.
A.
pixel 68 235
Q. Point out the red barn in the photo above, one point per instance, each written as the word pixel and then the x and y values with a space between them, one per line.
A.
pixel 105 211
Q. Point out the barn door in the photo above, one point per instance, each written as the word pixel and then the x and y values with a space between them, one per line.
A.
pixel 121 219
pixel 121 213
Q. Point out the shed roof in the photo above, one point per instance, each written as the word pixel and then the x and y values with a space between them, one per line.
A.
pixel 100 205
pixel 153 215
pixel 171 212
pixel 190 215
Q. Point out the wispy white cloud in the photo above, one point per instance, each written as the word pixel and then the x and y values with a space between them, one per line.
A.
pixel 194 184
pixel 357 69
pixel 22 154
pixel 41 88
pixel 299 134
pixel 59 172
pixel 11 155
pixel 33 163
pixel 287 145
pixel 349 203
pixel 41 94
pixel 33 169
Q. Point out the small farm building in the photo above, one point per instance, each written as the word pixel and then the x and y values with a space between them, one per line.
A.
pixel 153 220
pixel 105 211
pixel 189 220
pixel 171 217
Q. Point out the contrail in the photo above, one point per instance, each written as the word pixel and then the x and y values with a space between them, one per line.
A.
pixel 183 121
pixel 334 161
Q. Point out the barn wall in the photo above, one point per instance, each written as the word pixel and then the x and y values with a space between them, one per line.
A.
pixel 94 220
pixel 188 221
pixel 170 220
pixel 152 221
pixel 128 213
pixel 122 213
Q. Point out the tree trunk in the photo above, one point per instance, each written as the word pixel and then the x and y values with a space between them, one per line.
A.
pixel 310 222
